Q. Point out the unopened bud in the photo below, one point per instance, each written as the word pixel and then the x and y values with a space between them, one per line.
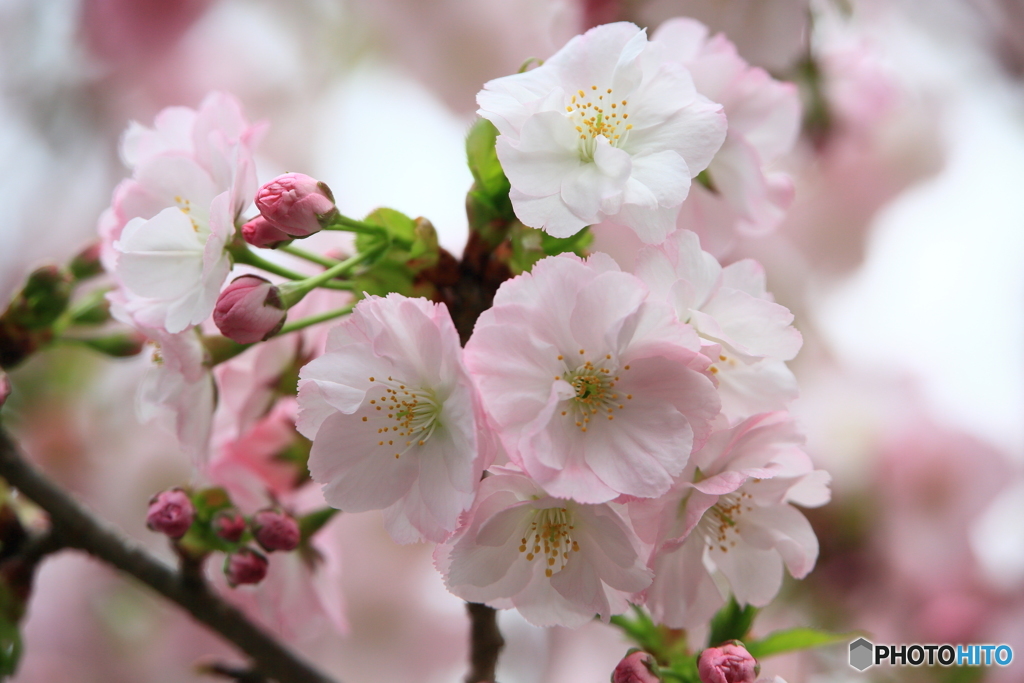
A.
pixel 5 388
pixel 296 204
pixel 229 525
pixel 275 530
pixel 170 512
pixel 245 567
pixel 43 298
pixel 86 263
pixel 249 310
pixel 636 667
pixel 729 663
pixel 259 232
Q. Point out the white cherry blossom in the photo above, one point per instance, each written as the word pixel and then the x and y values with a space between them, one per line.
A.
pixel 608 128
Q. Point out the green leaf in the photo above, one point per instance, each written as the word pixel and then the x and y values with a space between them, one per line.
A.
pixel 530 245
pixel 795 639
pixel 732 622
pixel 314 521
pixel 482 157
pixel 400 230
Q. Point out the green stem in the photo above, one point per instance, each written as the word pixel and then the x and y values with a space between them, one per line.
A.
pixel 309 256
pixel 292 292
pixel 315 319
pixel 243 255
pixel 352 225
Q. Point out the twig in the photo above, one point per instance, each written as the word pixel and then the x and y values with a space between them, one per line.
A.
pixel 74 527
pixel 485 642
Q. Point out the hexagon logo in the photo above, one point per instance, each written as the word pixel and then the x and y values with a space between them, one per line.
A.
pixel 861 654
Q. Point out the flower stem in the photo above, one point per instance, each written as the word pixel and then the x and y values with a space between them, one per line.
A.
pixel 315 319
pixel 245 256
pixel 309 256
pixel 352 225
pixel 292 292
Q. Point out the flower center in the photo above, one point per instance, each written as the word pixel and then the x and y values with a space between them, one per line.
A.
pixel 595 391
pixel 185 206
pixel 720 524
pixel 598 114
pixel 412 415
pixel 550 531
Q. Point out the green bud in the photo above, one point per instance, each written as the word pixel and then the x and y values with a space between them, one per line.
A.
pixel 86 263
pixel 119 345
pixel 41 301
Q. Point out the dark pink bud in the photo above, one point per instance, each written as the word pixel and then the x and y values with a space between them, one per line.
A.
pixel 636 667
pixel 275 530
pixel 170 512
pixel 245 567
pixel 5 388
pixel 249 310
pixel 729 663
pixel 229 525
pixel 259 232
pixel 296 204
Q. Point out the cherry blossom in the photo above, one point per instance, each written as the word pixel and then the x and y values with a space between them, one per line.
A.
pixel 164 235
pixel 595 390
pixel 558 562
pixel 748 335
pixel 394 418
pixel 744 198
pixel 609 128
pixel 733 512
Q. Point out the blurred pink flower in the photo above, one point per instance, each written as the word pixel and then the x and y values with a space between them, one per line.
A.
pixel 728 663
pixel 171 513
pixel 745 196
pixel 595 390
pixel 635 668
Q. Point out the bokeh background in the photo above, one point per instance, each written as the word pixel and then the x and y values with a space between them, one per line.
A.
pixel 902 257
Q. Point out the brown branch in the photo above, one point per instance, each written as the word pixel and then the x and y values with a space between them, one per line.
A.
pixel 485 642
pixel 74 527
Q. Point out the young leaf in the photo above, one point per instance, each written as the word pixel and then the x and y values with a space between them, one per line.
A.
pixel 794 639
pixel 732 622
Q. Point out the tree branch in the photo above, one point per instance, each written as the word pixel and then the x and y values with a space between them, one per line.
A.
pixel 485 643
pixel 74 527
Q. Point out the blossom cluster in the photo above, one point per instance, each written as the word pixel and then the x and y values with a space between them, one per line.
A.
pixel 605 436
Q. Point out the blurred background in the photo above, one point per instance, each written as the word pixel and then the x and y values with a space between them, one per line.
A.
pixel 902 257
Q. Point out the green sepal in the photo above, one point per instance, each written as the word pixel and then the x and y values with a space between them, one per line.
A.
pixel 530 245
pixel 118 345
pixel 42 300
pixel 482 157
pixel 313 522
pixel 732 622
pixel 792 639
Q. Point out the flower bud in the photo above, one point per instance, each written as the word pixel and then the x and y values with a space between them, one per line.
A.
pixel 296 204
pixel 5 388
pixel 730 663
pixel 229 525
pixel 41 301
pixel 636 667
pixel 245 567
pixel 86 263
pixel 275 530
pixel 249 310
pixel 259 232
pixel 170 512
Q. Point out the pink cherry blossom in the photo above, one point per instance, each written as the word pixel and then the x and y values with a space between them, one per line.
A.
pixel 735 516
pixel 246 566
pixel 745 197
pixel 728 663
pixel 748 335
pixel 635 668
pixel 557 561
pixel 394 418
pixel 170 512
pixel 608 128
pixel 595 389
pixel 164 235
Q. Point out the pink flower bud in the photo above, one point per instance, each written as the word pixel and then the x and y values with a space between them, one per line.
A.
pixel 274 530
pixel 245 567
pixel 729 663
pixel 249 310
pixel 296 204
pixel 259 232
pixel 636 667
pixel 170 512
pixel 5 388
pixel 229 525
